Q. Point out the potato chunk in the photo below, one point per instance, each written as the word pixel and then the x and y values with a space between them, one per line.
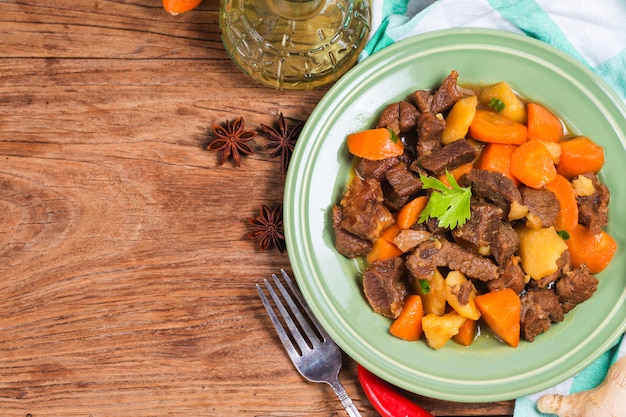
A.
pixel 435 299
pixel 439 329
pixel 464 305
pixel 539 250
pixel 514 108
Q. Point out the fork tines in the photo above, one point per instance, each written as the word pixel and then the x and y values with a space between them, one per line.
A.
pixel 307 324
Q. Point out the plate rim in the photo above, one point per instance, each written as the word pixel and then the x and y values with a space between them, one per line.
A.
pixel 299 160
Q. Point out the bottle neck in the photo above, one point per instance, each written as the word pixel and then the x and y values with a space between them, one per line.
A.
pixel 295 9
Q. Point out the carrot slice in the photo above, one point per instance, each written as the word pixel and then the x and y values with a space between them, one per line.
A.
pixel 563 190
pixel 383 249
pixel 492 127
pixel 408 325
pixel 180 6
pixel 375 144
pixel 410 212
pixel 497 157
pixel 501 311
pixel 579 155
pixel 532 164
pixel 586 248
pixel 456 173
pixel 466 334
pixel 543 124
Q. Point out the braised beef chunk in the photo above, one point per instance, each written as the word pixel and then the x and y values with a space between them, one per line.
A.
pixel 362 210
pixel 533 319
pixel 493 187
pixel 403 181
pixel 510 275
pixel 575 287
pixel 549 302
pixel 375 169
pixel 449 157
pixel 447 94
pixel 429 129
pixel 480 230
pixel 393 200
pixel 593 210
pixel 422 100
pixel 428 255
pixel 505 244
pixel 543 207
pixel 347 244
pixel 384 287
pixel 399 117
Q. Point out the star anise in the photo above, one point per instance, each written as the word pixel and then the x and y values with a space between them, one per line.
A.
pixel 267 228
pixel 231 140
pixel 282 140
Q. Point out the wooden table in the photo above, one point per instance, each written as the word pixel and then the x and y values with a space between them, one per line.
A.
pixel 127 278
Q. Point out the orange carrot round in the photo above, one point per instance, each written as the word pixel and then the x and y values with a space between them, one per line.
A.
pixel 543 124
pixel 596 251
pixel 410 212
pixel 562 189
pixel 383 249
pixel 579 155
pixel 492 127
pixel 497 157
pixel 408 325
pixel 180 6
pixel 501 311
pixel 532 164
pixel 375 144
pixel 466 334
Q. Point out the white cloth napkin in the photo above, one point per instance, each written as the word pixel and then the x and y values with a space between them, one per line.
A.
pixel 594 32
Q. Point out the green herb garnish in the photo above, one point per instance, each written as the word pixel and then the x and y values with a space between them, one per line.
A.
pixel 424 286
pixel 394 137
pixel 563 234
pixel 497 104
pixel 451 205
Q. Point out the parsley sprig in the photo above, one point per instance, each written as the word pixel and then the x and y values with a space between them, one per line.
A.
pixel 450 205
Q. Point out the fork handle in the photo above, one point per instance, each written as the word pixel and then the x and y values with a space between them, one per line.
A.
pixel 346 401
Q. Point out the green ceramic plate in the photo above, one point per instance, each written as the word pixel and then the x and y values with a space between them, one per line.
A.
pixel 487 370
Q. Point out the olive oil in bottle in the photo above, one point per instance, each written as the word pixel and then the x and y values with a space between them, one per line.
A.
pixel 294 44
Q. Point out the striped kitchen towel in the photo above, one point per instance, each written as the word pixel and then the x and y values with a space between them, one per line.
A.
pixel 593 32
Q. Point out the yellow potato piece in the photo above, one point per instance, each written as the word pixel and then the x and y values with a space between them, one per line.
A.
pixel 459 119
pixel 435 300
pixel 539 250
pixel 469 310
pixel 514 109
pixel 438 330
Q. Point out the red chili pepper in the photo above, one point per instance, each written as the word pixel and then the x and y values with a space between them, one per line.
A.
pixel 386 400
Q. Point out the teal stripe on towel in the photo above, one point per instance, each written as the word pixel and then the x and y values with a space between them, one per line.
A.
pixel 613 72
pixel 535 22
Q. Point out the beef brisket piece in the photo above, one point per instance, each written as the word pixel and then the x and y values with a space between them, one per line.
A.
pixel 543 207
pixel 384 287
pixel 362 211
pixel 505 243
pixel 399 117
pixel 533 319
pixel 422 99
pixel 493 187
pixel 449 157
pixel 346 243
pixel 480 230
pixel 549 302
pixel 510 275
pixel 375 169
pixel 447 94
pixel 593 210
pixel 430 254
pixel 402 180
pixel 429 129
pixel 575 287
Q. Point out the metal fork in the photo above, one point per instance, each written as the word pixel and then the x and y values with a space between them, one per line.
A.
pixel 314 353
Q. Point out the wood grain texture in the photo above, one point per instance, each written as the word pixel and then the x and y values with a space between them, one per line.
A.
pixel 127 278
